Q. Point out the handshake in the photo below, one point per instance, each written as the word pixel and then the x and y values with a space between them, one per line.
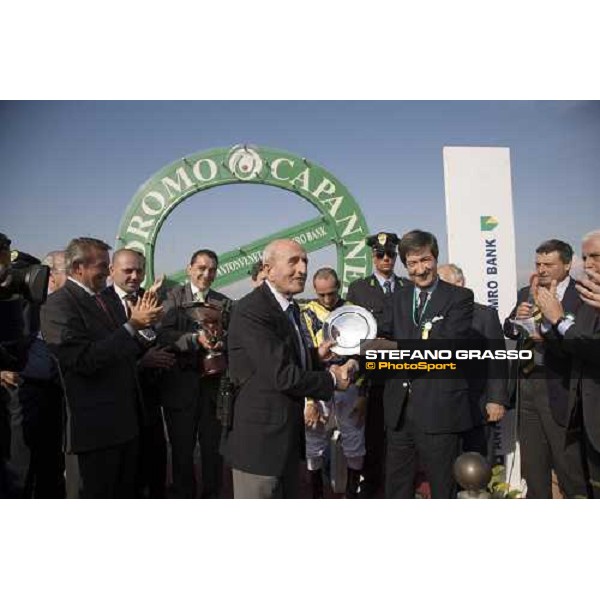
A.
pixel 343 375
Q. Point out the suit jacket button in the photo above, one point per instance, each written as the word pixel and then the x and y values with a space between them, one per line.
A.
pixel 405 384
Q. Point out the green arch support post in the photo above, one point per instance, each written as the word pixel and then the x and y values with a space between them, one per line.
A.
pixel 341 222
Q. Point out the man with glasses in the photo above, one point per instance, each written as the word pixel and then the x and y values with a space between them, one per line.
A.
pixel 373 293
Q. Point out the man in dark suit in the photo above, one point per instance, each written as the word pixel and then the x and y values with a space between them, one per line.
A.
pixel 543 383
pixel 424 416
pixel 127 272
pixel 97 359
pixel 41 398
pixel 274 372
pixel 489 396
pixel 373 293
pixel 579 337
pixel 190 398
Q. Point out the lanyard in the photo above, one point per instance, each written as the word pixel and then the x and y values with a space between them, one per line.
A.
pixel 415 306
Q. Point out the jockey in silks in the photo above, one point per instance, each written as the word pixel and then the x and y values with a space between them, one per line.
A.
pixel 346 410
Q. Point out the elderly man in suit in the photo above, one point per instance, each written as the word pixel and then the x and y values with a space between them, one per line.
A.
pixel 97 359
pixel 544 381
pixel 373 293
pixel 579 336
pixel 489 397
pixel 189 396
pixel 274 372
pixel 425 417
pixel 127 271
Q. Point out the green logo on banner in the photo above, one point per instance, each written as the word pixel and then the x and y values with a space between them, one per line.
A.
pixel 488 223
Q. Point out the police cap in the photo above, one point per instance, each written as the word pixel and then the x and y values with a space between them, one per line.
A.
pixel 383 242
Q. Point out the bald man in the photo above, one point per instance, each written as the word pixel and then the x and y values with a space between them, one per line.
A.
pixel 274 371
pixel 127 271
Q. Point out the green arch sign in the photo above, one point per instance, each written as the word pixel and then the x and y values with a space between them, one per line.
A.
pixel 341 222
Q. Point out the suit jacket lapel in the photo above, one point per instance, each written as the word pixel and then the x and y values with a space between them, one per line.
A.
pixel 571 300
pixel 114 304
pixel 284 323
pixel 89 304
pixel 436 302
pixel 187 293
pixel 406 327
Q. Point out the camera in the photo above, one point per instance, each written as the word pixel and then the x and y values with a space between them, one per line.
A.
pixel 23 280
pixel 21 275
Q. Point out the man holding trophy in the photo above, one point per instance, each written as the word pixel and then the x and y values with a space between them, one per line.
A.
pixel 194 327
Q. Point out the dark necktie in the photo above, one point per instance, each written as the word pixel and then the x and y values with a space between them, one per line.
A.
pixel 100 302
pixel 422 302
pixel 293 315
pixel 129 298
pixel 387 288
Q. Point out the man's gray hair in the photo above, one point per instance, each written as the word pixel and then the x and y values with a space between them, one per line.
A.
pixel 590 236
pixel 458 277
pixel 78 250
pixel 56 261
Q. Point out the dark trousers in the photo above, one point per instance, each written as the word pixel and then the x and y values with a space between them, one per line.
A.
pixel 374 444
pixel 543 445
pixel 109 472
pixel 592 467
pixel 408 448
pixel 152 459
pixel 5 488
pixel 41 403
pixel 478 440
pixel 185 425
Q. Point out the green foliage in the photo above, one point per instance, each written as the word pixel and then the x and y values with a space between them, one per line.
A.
pixel 498 488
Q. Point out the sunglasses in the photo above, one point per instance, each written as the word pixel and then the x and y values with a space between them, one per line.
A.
pixel 389 253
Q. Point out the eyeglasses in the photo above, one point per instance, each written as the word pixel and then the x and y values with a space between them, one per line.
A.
pixel 389 253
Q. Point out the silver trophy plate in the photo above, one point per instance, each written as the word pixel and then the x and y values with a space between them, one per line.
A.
pixel 347 326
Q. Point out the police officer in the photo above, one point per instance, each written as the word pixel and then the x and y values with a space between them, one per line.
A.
pixel 373 293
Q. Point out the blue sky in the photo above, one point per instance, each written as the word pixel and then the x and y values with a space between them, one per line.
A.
pixel 71 168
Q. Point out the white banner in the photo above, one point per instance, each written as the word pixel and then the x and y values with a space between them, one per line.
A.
pixel 481 241
pixel 479 216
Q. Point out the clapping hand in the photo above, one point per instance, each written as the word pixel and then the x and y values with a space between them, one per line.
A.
pixel 158 282
pixel 549 303
pixel 146 311
pixel 589 288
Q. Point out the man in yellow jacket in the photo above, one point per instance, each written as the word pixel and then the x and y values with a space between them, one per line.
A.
pixel 347 408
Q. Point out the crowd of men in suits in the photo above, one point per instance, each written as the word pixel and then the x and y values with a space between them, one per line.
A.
pixel 115 371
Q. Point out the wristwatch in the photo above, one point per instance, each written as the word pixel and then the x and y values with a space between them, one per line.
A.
pixel 148 335
pixel 566 318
